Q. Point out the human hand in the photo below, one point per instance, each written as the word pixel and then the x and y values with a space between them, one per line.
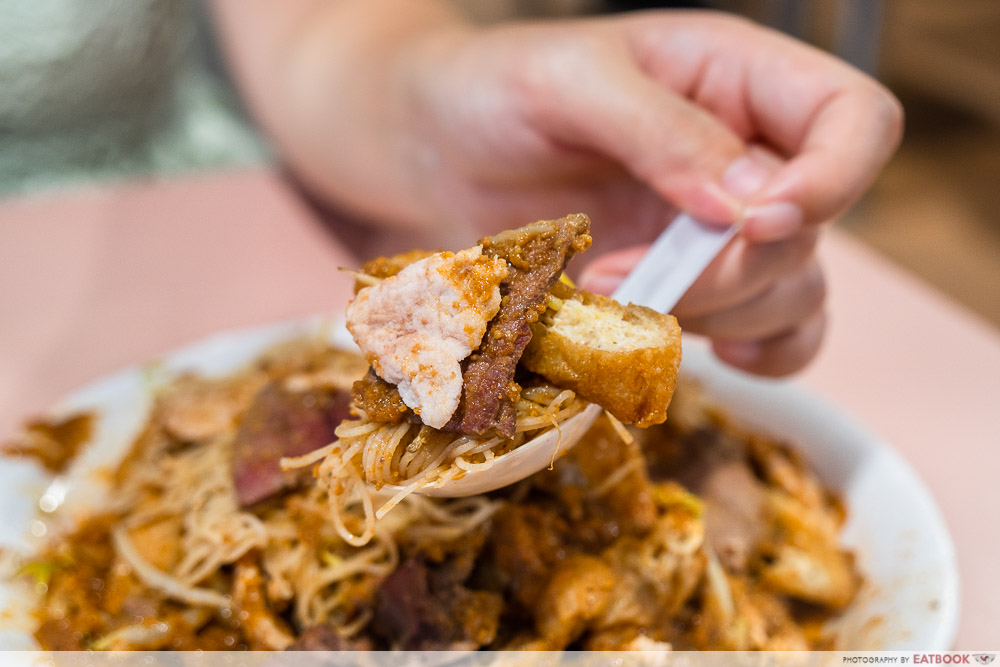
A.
pixel 761 303
pixel 629 117
pixel 402 113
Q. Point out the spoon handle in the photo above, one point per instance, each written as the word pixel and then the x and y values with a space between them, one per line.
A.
pixel 674 261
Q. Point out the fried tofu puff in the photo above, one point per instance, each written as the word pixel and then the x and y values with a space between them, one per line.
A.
pixel 624 358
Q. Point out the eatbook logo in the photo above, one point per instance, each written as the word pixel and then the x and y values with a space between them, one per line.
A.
pixel 984 658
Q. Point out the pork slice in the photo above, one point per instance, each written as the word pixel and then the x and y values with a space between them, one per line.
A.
pixel 412 614
pixel 536 256
pixel 280 423
pixel 734 513
pixel 734 498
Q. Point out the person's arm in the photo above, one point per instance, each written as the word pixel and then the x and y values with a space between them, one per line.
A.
pixel 323 79
pixel 369 100
pixel 406 114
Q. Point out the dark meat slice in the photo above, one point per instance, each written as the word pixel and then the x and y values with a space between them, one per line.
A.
pixel 412 614
pixel 734 512
pixel 325 638
pixel 536 256
pixel 403 607
pixel 282 423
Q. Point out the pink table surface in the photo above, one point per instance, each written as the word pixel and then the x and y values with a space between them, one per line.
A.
pixel 97 280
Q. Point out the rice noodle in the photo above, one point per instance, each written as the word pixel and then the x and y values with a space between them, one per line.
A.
pixel 308 459
pixel 194 487
pixel 473 467
pixel 316 546
pixel 369 456
pixel 160 580
pixel 319 553
pixel 619 428
pixel 617 476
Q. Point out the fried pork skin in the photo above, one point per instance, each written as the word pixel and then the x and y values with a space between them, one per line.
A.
pixel 417 326
pixel 624 358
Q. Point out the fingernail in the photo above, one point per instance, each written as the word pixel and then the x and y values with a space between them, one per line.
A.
pixel 772 222
pixel 744 177
pixel 600 283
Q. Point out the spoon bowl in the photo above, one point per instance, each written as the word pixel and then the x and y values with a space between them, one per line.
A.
pixel 535 455
pixel 672 264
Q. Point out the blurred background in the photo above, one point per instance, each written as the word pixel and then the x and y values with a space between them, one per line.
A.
pixel 69 119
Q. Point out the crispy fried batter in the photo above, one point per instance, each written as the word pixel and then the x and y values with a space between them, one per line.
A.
pixel 624 358
pixel 265 630
pixel 579 590
pixel 803 559
pixel 53 442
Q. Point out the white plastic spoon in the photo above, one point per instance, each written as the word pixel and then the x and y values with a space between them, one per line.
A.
pixel 672 264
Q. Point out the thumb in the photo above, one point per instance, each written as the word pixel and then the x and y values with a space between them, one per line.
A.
pixel 677 148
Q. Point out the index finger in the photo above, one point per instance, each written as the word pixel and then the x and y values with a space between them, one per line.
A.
pixel 834 126
pixel 847 142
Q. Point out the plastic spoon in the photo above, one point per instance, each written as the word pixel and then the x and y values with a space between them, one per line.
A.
pixel 672 264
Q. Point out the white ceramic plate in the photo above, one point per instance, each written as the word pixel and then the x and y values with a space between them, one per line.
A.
pixel 910 600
